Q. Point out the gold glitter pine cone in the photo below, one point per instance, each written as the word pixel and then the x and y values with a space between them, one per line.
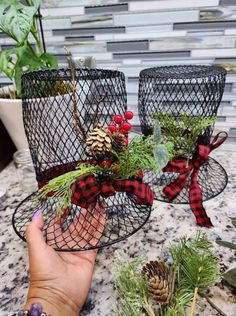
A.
pixel 118 141
pixel 99 141
pixel 161 279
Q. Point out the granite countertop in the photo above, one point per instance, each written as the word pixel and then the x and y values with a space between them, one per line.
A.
pixel 166 224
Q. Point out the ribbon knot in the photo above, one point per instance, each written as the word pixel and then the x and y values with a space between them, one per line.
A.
pixel 86 189
pixel 180 166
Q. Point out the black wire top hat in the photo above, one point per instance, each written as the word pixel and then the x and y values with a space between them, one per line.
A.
pixel 91 190
pixel 183 101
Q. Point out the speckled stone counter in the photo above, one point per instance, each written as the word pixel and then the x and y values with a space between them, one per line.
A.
pixel 167 223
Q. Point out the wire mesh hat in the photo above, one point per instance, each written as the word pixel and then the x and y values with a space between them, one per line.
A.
pixel 183 102
pixel 60 109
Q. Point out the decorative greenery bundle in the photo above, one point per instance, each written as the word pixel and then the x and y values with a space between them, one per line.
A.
pixel 183 132
pixel 110 156
pixel 153 290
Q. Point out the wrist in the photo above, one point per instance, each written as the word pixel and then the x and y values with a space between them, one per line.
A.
pixel 54 302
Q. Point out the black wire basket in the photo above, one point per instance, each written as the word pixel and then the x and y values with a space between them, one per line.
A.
pixel 194 90
pixel 50 99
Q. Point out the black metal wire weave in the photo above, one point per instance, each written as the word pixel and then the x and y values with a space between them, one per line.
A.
pixel 83 229
pixel 195 90
pixel 48 121
pixel 50 129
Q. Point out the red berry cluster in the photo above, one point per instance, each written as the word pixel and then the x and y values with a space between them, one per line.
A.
pixel 123 125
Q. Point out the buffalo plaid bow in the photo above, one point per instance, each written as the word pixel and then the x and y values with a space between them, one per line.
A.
pixel 195 193
pixel 86 189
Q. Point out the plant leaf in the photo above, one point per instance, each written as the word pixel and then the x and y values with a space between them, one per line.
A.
pixel 157 132
pixel 230 276
pixel 161 155
pixel 49 60
pixel 8 59
pixel 16 19
pixel 5 63
pixel 226 244
pixel 30 61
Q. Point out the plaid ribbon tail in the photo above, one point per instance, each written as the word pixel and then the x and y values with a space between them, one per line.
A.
pixel 195 200
pixel 175 187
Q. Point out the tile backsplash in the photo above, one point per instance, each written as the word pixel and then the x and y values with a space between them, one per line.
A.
pixel 132 35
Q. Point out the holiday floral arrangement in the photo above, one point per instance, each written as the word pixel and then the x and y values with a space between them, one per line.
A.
pixel 160 288
pixel 114 164
pixel 186 134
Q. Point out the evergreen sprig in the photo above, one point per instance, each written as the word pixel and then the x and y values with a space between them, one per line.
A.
pixel 138 155
pixel 196 265
pixel 127 163
pixel 196 268
pixel 183 131
pixel 61 186
pixel 132 288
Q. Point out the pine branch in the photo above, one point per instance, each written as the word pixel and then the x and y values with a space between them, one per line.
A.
pixel 197 265
pixel 61 186
pixel 138 155
pixel 183 131
pixel 132 288
pixel 194 301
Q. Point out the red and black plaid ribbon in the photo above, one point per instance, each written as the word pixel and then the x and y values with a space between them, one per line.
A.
pixel 86 189
pixel 195 193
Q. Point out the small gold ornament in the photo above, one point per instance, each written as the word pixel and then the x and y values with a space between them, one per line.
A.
pixel 161 279
pixel 99 141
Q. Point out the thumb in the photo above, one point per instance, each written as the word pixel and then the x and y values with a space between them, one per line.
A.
pixel 34 234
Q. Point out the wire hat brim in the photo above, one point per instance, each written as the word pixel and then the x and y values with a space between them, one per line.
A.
pixel 83 229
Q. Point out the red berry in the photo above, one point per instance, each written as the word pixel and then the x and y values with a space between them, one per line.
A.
pixel 118 118
pixel 112 128
pixel 122 131
pixel 126 141
pixel 126 126
pixel 105 163
pixel 129 115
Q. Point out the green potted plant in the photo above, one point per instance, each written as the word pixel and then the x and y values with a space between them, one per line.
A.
pixel 19 22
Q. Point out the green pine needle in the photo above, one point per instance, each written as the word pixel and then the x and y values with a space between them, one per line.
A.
pixel 183 131
pixel 196 267
pixel 132 288
pixel 138 155
pixel 61 186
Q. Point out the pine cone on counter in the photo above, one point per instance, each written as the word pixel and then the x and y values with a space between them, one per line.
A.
pixel 161 279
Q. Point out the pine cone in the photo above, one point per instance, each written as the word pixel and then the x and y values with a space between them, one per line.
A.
pixel 161 279
pixel 118 141
pixel 99 141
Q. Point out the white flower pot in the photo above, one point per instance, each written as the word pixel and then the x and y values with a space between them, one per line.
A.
pixel 11 116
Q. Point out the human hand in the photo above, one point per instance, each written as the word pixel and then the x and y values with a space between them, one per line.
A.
pixel 60 281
